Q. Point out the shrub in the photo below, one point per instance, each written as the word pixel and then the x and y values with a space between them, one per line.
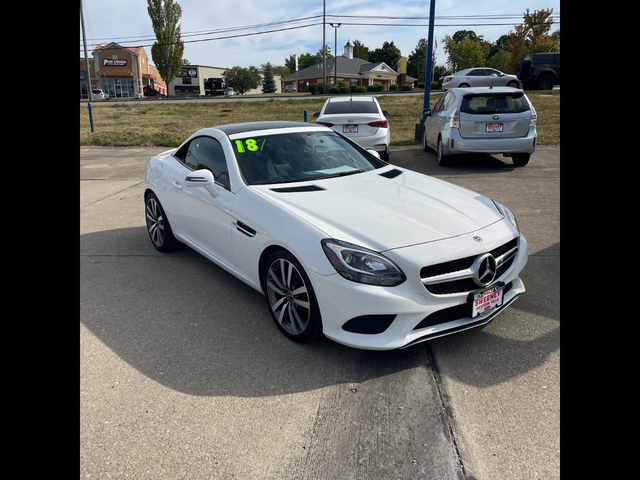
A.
pixel 393 87
pixel 334 90
pixel 406 86
pixel 375 88
pixel 313 88
pixel 345 89
pixel 360 89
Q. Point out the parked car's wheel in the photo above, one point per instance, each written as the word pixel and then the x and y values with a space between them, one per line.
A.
pixel 443 160
pixel 513 84
pixel 463 85
pixel 545 83
pixel 425 147
pixel 290 297
pixel 385 155
pixel 158 226
pixel 520 159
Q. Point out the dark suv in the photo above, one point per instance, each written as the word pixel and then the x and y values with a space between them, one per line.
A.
pixel 539 71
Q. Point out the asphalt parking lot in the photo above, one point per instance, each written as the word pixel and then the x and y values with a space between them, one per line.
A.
pixel 184 375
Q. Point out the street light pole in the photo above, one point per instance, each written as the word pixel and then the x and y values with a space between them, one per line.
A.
pixel 427 73
pixel 324 47
pixel 335 54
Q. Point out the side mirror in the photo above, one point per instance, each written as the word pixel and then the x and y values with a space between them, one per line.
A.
pixel 316 115
pixel 426 111
pixel 199 178
pixel 373 152
pixel 385 113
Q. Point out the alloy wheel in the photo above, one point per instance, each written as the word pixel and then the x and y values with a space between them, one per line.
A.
pixel 288 296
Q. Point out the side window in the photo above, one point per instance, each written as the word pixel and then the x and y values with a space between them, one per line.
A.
pixel 206 152
pixel 439 104
pixel 478 72
pixel 449 100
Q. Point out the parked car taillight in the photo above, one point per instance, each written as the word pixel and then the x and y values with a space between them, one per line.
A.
pixel 380 124
pixel 326 124
pixel 454 121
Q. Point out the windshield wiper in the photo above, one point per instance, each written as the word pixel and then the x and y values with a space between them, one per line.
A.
pixel 343 174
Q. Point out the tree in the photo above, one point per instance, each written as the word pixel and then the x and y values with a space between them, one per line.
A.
pixel 242 79
pixel 465 54
pixel 268 83
pixel 389 54
pixel 306 60
pixel 360 51
pixel 417 61
pixel 167 51
pixel 533 36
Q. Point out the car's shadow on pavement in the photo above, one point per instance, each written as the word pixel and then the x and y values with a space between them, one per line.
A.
pixel 189 325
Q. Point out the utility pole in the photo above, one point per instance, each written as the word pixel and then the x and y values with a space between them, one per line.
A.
pixel 335 54
pixel 427 73
pixel 324 47
pixel 86 56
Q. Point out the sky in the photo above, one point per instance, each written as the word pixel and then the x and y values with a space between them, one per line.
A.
pixel 205 22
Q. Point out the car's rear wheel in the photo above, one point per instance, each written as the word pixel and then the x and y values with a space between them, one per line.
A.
pixel 513 84
pixel 520 159
pixel 463 85
pixel 290 297
pixel 158 226
pixel 443 160
pixel 545 83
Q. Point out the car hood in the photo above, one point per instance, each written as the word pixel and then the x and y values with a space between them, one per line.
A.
pixel 383 213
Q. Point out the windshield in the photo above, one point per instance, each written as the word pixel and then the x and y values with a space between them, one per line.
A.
pixel 298 157
pixel 494 103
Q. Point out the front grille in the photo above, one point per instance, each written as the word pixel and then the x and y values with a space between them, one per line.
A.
pixel 457 312
pixel 462 268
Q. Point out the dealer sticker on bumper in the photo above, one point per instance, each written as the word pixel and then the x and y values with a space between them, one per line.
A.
pixel 484 301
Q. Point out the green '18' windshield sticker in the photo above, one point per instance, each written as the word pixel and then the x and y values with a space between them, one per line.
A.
pixel 247 145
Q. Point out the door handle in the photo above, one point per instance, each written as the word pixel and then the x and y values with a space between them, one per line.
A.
pixel 176 184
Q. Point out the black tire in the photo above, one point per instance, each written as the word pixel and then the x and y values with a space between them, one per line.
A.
pixel 463 85
pixel 520 159
pixel 158 226
pixel 443 160
pixel 385 155
pixel 290 297
pixel 513 84
pixel 545 83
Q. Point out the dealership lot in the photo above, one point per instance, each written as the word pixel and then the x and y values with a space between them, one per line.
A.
pixel 184 375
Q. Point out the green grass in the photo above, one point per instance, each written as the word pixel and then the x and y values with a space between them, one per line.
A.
pixel 168 124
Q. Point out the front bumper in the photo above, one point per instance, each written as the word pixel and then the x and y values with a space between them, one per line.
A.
pixel 412 313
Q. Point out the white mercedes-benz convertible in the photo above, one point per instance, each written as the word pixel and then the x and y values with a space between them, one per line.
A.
pixel 340 243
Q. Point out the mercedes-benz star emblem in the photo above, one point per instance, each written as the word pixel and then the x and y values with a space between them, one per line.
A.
pixel 485 269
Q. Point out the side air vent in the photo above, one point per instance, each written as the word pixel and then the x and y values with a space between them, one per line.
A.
pixel 391 173
pixel 304 188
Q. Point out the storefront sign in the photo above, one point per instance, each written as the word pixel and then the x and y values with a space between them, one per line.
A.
pixel 188 72
pixel 114 63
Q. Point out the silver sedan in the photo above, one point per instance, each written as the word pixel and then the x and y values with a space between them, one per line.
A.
pixel 479 77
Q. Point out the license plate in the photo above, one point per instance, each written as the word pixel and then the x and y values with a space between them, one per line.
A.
pixel 494 127
pixel 485 301
pixel 350 128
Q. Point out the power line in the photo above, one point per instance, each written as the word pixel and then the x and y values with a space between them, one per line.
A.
pixel 355 23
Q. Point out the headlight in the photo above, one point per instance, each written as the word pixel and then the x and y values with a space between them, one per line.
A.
pixel 507 213
pixel 362 265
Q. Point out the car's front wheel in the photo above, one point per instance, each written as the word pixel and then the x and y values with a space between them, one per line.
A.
pixel 290 297
pixel 158 226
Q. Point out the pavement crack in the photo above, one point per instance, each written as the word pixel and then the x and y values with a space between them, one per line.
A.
pixel 445 412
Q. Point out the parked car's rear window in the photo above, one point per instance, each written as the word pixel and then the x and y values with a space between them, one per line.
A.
pixel 494 103
pixel 350 107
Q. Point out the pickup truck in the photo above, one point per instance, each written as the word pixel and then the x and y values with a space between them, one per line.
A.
pixel 213 86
